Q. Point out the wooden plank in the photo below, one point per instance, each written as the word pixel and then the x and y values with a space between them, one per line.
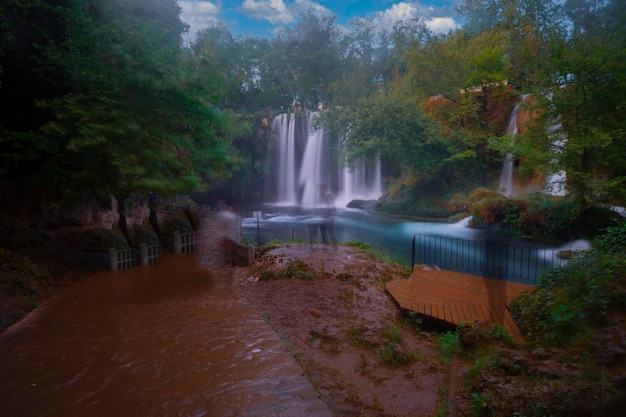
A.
pixel 457 298
pixel 448 310
pixel 455 313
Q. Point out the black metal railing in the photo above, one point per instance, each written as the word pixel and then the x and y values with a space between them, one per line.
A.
pixel 492 259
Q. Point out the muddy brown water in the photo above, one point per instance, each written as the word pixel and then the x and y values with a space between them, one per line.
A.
pixel 172 340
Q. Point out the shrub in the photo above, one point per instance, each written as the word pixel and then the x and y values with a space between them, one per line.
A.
pixel 582 293
pixel 18 274
pixel 177 223
pixel 480 194
pixel 458 203
pixel 489 210
pixel 143 235
pixel 100 240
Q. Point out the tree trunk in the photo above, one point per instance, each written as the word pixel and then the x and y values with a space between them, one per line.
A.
pixel 193 220
pixel 154 220
pixel 122 222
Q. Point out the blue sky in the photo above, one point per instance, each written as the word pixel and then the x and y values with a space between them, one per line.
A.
pixel 261 18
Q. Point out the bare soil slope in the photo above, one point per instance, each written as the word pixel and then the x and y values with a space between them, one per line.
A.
pixel 330 306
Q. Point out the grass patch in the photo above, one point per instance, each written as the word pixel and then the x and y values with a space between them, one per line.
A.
pixel 295 269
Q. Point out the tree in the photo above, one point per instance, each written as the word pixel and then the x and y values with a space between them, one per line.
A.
pixel 391 129
pixel 126 113
pixel 480 15
pixel 574 66
pixel 311 46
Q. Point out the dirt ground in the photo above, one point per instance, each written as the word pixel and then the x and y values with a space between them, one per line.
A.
pixel 366 358
pixel 329 305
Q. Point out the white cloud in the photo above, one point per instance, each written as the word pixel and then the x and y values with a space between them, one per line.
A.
pixel 302 6
pixel 199 14
pixel 441 24
pixel 437 20
pixel 401 11
pixel 274 11
pixel 277 12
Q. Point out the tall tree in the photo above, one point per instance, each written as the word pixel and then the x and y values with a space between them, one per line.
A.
pixel 124 116
pixel 312 48
pixel 572 59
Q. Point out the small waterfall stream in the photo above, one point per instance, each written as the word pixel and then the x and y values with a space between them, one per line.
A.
pixel 555 183
pixel 556 179
pixel 506 177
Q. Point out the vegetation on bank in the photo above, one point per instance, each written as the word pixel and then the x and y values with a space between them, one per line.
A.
pixel 536 215
pixel 583 294
pixel 572 364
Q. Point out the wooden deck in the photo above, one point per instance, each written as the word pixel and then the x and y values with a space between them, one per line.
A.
pixel 457 298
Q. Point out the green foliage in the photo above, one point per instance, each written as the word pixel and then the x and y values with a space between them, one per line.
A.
pixel 295 269
pixel 144 235
pixel 583 293
pixel 413 320
pixel 449 346
pixel 20 275
pixel 481 336
pixel 358 244
pixel 539 215
pixel 115 110
pixel 392 354
pixel 102 240
pixel 176 223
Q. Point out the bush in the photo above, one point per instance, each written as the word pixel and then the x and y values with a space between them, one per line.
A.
pixel 143 235
pixel 100 240
pixel 489 211
pixel 18 274
pixel 458 204
pixel 583 293
pixel 178 223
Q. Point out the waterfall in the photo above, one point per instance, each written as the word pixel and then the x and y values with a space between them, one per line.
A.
pixel 313 173
pixel 556 180
pixel 555 183
pixel 284 126
pixel 301 161
pixel 363 182
pixel 506 177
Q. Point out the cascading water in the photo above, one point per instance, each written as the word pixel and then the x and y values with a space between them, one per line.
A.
pixel 313 173
pixel 284 126
pixel 506 177
pixel 364 182
pixel 302 161
pixel 556 180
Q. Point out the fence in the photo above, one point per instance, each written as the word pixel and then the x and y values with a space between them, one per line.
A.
pixel 184 242
pixel 491 259
pixel 148 255
pixel 122 259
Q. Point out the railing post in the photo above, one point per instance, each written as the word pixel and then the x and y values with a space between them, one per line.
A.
pixel 177 246
pixel 113 259
pixel 143 255
pixel 413 253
